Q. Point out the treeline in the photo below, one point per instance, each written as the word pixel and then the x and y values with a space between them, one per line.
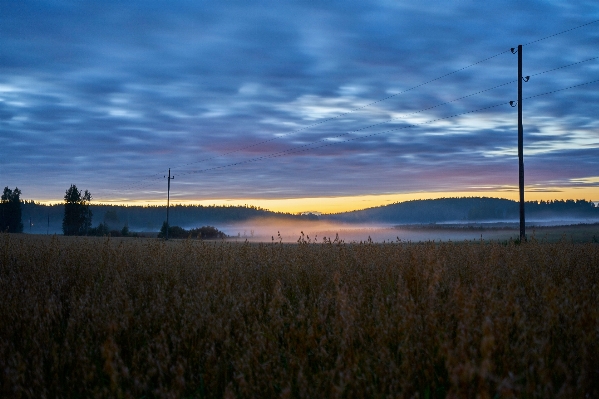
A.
pixel 468 209
pixel 48 218
pixel 117 219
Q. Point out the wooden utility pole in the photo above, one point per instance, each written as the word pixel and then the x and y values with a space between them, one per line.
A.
pixel 520 142
pixel 521 147
pixel 168 198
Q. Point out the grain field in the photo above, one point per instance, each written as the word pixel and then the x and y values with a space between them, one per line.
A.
pixel 143 318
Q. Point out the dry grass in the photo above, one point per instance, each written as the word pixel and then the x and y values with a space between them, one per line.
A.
pixel 144 318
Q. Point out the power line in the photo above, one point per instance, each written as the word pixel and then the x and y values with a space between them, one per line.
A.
pixel 562 32
pixel 295 149
pixel 456 99
pixel 396 94
pixel 348 112
pixel 352 131
pixel 565 88
pixel 322 121
pixel 562 67
pixel 414 125
pixel 300 148
pixel 329 119
pixel 307 147
pixel 135 185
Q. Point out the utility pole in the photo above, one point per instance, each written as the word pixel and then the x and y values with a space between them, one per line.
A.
pixel 168 198
pixel 520 142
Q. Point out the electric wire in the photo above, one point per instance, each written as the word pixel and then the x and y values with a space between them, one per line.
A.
pixel 348 112
pixel 322 121
pixel 153 177
pixel 309 146
pixel 562 67
pixel 439 119
pixel 565 88
pixel 447 102
pixel 396 94
pixel 156 176
pixel 451 101
pixel 300 149
pixel 562 32
pixel 384 122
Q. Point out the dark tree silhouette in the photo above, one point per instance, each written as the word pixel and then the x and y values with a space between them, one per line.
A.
pixel 101 230
pixel 77 215
pixel 10 211
pixel 205 232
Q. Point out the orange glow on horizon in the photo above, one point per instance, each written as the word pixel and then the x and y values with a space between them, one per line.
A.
pixel 350 203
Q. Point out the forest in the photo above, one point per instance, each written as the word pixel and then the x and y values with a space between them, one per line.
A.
pixel 42 219
pixel 471 210
pixel 48 218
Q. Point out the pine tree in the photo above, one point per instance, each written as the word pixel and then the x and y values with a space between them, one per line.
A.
pixel 10 211
pixel 77 215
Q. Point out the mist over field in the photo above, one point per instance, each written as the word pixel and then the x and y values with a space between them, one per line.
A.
pixel 287 231
pixel 273 230
pixel 444 219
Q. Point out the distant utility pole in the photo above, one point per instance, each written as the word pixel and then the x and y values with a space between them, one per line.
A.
pixel 520 141
pixel 168 198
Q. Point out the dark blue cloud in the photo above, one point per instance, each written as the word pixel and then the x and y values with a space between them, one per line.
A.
pixel 95 93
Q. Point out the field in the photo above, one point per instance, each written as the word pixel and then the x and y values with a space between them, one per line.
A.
pixel 133 318
pixel 263 231
pixel 580 233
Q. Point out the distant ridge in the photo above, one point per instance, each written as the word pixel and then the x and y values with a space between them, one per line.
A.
pixel 467 209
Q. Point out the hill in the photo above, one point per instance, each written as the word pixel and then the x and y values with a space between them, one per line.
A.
pixel 468 209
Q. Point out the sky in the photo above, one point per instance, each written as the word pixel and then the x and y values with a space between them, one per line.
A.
pixel 297 106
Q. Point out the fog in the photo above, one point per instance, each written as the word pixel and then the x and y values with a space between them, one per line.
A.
pixel 268 230
pixel 287 231
pixel 265 230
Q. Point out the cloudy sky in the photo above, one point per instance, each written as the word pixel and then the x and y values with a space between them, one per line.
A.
pixel 305 105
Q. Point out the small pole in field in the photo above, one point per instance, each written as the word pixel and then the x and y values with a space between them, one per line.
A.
pixel 168 197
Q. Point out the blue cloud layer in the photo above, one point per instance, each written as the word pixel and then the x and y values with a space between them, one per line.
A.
pixel 107 94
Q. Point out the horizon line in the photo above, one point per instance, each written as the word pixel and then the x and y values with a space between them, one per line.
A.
pixel 343 206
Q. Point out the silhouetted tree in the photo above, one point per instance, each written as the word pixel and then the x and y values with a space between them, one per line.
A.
pixel 205 232
pixel 209 232
pixel 77 215
pixel 173 231
pixel 10 212
pixel 101 230
pixel 125 231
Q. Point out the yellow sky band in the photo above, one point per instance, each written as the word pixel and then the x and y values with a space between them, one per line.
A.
pixel 349 203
